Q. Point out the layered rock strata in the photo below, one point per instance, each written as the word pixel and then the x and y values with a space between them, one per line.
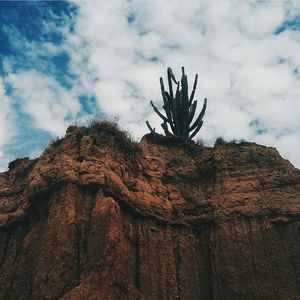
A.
pixel 96 218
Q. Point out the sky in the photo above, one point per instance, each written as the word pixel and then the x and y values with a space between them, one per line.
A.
pixel 66 62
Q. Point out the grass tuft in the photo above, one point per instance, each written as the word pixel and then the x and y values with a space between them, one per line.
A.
pixel 220 141
pixel 55 142
pixel 110 130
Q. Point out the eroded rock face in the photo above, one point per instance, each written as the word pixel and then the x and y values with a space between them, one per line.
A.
pixel 91 220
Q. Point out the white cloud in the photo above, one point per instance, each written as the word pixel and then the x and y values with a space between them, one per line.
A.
pixel 6 128
pixel 44 100
pixel 245 70
pixel 249 74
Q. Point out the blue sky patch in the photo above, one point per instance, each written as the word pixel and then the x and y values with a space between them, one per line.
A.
pixel 32 38
pixel 131 18
pixel 258 127
pixel 289 25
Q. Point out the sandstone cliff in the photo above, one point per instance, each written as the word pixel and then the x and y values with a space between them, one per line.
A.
pixel 97 217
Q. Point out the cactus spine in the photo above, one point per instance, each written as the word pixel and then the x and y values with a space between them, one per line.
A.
pixel 179 108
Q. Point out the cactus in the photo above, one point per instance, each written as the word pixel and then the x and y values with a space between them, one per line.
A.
pixel 179 108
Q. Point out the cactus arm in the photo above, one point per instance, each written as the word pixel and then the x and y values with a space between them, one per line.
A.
pixel 165 100
pixel 158 112
pixel 200 116
pixel 185 103
pixel 164 125
pixel 179 108
pixel 194 89
pixel 152 130
pixel 182 70
pixel 192 111
pixel 197 129
pixel 170 72
pixel 175 111
pixel 168 109
pixel 162 88
pixel 170 83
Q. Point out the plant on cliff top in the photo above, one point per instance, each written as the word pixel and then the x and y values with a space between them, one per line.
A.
pixel 179 108
pixel 111 130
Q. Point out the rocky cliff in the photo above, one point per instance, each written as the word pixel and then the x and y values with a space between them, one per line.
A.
pixel 98 217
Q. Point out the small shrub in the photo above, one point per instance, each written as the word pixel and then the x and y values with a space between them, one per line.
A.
pixel 104 125
pixel 55 142
pixel 219 141
pixel 200 143
pixel 189 146
pixel 237 142
pixel 16 162
pixel 110 129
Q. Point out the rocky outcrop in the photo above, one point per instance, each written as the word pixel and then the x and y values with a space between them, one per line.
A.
pixel 97 217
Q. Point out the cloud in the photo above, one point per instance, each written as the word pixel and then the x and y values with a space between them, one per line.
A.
pixel 6 130
pixel 40 95
pixel 108 56
pixel 248 68
pixel 44 100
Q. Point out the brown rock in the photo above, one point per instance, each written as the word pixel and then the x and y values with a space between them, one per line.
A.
pixel 95 219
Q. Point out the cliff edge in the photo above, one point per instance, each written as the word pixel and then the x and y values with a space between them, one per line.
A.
pixel 99 217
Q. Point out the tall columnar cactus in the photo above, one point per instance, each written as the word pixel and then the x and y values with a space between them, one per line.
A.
pixel 179 108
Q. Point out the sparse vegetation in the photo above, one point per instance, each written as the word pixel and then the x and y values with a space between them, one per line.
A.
pixel 200 143
pixel 219 141
pixel 104 125
pixel 17 161
pixel 189 146
pixel 104 131
pixel 54 142
pixel 110 128
pixel 233 142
